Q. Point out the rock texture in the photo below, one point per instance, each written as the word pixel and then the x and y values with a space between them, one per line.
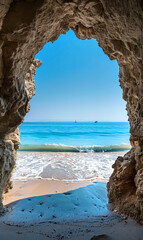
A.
pixel 25 26
pixel 9 143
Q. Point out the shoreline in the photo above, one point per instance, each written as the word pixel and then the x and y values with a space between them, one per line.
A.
pixel 65 166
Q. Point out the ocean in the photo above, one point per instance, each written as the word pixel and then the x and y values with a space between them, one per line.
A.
pixel 73 151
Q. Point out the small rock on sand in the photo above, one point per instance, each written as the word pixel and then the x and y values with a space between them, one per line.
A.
pixel 102 237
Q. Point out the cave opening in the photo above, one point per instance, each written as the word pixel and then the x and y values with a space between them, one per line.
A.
pixel 75 81
pixel 61 155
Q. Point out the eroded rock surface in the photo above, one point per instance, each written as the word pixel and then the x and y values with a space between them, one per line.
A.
pixel 26 25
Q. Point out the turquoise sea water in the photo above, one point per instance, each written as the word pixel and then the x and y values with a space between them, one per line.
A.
pixel 70 151
pixel 74 137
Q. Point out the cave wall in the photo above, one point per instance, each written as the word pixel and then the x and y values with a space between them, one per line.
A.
pixel 25 27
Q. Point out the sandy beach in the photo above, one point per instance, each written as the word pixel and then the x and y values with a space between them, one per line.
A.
pixel 128 230
pixel 37 187
pixel 62 195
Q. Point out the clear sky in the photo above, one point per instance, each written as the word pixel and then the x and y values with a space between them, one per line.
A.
pixel 76 81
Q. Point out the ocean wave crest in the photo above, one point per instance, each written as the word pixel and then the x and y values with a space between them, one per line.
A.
pixel 66 148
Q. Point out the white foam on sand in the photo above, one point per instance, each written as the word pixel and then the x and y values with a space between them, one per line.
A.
pixel 65 166
pixel 88 202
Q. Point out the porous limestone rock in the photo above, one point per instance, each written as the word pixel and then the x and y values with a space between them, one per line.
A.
pixel 7 164
pixel 10 142
pixel 25 26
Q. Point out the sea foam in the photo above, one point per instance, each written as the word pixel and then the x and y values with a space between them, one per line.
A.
pixel 70 166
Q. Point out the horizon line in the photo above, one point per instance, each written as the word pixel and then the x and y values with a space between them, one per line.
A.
pixel 70 121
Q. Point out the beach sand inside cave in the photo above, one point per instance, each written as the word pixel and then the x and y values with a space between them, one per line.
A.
pixel 37 187
pixel 61 226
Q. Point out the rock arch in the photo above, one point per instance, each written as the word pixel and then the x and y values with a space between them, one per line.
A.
pixel 25 27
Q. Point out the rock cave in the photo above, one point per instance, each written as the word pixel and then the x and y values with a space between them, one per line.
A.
pixel 26 26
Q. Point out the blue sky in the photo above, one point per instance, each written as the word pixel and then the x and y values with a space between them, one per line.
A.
pixel 76 81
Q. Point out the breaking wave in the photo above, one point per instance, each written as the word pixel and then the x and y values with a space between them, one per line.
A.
pixel 66 148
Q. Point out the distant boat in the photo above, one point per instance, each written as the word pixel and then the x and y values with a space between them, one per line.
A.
pixel 75 121
pixel 96 122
